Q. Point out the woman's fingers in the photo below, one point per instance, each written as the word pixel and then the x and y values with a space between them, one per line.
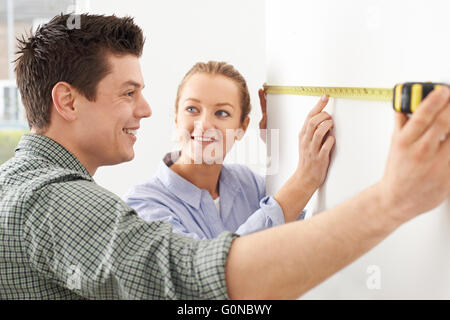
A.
pixel 326 147
pixel 263 104
pixel 318 138
pixel 262 101
pixel 313 123
pixel 320 105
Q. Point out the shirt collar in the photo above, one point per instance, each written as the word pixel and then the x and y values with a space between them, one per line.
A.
pixel 185 190
pixel 50 150
pixel 176 184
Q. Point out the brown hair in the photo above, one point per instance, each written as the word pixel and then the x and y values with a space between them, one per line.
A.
pixel 224 69
pixel 57 53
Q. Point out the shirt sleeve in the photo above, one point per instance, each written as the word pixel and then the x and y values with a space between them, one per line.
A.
pixel 268 215
pixel 85 239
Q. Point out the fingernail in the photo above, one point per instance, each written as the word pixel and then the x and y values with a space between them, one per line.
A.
pixel 324 98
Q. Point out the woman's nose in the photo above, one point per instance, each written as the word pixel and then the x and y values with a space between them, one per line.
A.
pixel 206 122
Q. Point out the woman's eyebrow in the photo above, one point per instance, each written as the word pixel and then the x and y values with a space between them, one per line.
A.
pixel 220 104
pixel 224 104
pixel 192 99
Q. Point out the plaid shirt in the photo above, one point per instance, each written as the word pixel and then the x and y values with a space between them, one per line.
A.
pixel 64 237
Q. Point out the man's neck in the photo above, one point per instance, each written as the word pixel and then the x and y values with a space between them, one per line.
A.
pixel 85 161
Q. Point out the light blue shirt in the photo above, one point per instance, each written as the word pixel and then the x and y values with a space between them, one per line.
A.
pixel 244 206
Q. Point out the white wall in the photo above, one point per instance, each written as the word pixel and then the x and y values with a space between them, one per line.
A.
pixel 180 33
pixel 362 43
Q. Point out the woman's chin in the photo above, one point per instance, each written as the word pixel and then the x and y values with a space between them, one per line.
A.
pixel 205 159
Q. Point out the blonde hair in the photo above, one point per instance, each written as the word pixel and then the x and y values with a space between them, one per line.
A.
pixel 224 69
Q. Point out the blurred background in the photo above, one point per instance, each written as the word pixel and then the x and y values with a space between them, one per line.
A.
pixel 178 34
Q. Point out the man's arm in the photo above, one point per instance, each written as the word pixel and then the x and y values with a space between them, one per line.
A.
pixel 83 240
pixel 289 260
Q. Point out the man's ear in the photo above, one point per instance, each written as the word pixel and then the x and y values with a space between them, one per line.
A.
pixel 244 127
pixel 63 95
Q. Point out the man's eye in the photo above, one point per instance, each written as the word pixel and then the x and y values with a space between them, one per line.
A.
pixel 130 93
pixel 222 113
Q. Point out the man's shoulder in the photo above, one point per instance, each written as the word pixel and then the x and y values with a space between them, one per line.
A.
pixel 28 174
pixel 35 183
pixel 74 191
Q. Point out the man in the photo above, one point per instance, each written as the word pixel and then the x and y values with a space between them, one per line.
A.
pixel 64 237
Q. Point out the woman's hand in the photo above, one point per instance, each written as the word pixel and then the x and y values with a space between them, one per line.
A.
pixel 315 144
pixel 263 122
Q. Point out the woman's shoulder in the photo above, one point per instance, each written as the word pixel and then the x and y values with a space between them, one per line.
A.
pixel 147 190
pixel 246 177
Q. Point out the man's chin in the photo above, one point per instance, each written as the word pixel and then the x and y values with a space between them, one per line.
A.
pixel 129 157
pixel 123 158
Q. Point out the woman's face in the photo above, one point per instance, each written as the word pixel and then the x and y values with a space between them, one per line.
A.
pixel 208 118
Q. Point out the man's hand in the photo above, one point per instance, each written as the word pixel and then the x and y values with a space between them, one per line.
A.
pixel 417 174
pixel 288 260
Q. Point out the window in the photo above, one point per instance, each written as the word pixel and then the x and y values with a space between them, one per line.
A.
pixel 16 18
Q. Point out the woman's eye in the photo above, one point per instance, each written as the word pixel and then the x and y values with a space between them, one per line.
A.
pixel 191 109
pixel 222 113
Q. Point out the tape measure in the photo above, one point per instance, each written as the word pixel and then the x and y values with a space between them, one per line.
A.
pixel 404 97
pixel 408 96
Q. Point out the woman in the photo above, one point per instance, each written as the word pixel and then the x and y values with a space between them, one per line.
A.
pixel 199 195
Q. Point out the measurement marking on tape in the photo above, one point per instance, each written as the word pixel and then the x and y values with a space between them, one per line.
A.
pixel 376 94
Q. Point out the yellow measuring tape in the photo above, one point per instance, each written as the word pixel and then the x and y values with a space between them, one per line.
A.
pixel 405 97
pixel 377 94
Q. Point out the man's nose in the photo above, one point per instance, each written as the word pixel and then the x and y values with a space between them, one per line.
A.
pixel 143 110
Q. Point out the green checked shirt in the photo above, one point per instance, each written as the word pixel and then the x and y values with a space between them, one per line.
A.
pixel 64 237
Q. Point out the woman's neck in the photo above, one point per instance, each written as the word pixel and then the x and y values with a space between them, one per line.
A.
pixel 203 176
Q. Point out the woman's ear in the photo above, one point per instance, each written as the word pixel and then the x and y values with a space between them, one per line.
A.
pixel 243 128
pixel 63 100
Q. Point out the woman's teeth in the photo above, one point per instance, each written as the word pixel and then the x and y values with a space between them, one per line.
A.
pixel 130 131
pixel 204 139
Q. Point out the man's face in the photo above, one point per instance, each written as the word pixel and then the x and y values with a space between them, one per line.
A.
pixel 106 128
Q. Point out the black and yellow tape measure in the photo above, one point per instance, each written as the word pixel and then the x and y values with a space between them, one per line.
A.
pixel 404 97
pixel 409 95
